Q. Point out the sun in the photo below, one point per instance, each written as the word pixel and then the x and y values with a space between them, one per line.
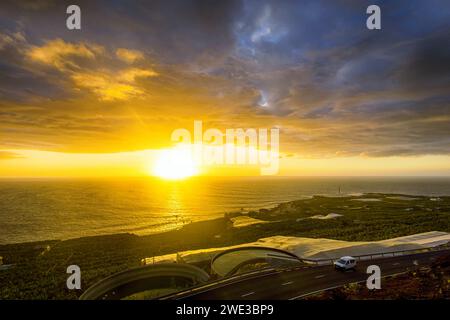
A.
pixel 175 164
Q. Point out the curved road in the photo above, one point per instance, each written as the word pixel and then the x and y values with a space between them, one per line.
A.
pixel 301 281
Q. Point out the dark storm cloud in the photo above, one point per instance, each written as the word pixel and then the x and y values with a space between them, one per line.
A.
pixel 194 34
pixel 311 65
pixel 429 63
pixel 176 30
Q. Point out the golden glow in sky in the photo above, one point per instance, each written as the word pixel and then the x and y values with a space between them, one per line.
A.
pixel 174 164
pixel 104 100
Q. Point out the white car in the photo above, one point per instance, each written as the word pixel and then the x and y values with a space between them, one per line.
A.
pixel 345 263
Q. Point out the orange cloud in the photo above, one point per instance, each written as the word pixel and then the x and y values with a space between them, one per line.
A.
pixel 129 56
pixel 130 75
pixel 57 53
pixel 102 79
pixel 110 86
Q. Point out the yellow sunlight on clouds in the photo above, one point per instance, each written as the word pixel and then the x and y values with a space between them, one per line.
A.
pixel 56 51
pixel 107 85
pixel 129 56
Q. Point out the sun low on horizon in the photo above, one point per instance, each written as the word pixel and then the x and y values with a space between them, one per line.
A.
pixel 104 100
pixel 174 164
pixel 148 148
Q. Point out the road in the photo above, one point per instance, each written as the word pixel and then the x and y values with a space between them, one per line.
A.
pixel 295 283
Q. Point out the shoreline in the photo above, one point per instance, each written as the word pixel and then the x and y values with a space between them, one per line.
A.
pixel 103 255
pixel 225 215
pixel 61 211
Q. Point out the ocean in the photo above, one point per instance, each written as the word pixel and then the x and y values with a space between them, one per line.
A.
pixel 46 209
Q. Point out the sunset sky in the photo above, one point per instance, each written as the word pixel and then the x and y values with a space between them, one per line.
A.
pixel 104 100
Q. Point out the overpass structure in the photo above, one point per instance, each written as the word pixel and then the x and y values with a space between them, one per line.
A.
pixel 141 279
pixel 299 282
pixel 250 258
pixel 237 267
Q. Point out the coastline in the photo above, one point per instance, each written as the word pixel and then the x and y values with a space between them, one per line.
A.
pixel 230 215
pixel 153 230
pixel 103 255
pixel 72 208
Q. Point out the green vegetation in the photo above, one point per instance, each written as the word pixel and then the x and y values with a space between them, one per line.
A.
pixel 361 220
pixel 40 268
